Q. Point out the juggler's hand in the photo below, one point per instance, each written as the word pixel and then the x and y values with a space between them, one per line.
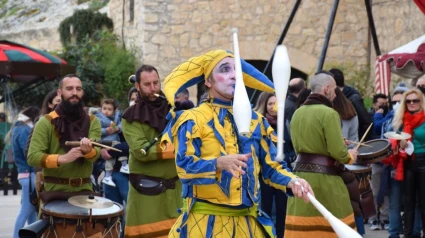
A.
pixel 297 188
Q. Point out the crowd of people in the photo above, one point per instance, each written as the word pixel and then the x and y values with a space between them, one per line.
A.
pixel 202 178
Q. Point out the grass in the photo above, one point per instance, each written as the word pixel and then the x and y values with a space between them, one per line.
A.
pixel 2 3
pixel 12 11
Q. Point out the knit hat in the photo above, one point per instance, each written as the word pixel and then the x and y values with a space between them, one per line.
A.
pixel 197 69
pixel 401 87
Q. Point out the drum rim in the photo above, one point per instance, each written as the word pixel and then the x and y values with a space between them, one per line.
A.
pixel 371 141
pixel 76 216
pixel 366 169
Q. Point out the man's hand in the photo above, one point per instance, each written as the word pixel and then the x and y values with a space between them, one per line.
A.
pixel 85 145
pixel 353 153
pixel 71 156
pixel 346 142
pixel 297 188
pixel 233 163
pixel 380 110
pixel 104 153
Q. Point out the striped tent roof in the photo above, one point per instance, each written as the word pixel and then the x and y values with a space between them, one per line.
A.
pixel 23 64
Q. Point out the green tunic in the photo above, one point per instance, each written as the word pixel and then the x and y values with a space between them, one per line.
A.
pixel 149 216
pixel 45 149
pixel 316 129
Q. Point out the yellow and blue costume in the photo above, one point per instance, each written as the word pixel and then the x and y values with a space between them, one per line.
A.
pixel 215 202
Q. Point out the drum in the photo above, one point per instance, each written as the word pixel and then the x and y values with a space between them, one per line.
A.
pixel 358 169
pixel 376 151
pixel 67 220
pixel 366 196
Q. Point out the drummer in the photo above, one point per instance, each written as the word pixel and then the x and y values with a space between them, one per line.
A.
pixel 318 141
pixel 66 169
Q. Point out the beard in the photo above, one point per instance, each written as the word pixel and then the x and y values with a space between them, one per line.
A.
pixel 72 110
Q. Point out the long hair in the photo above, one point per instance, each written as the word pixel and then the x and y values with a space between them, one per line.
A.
pixel 399 114
pixel 343 106
pixel 45 109
pixel 31 112
pixel 261 105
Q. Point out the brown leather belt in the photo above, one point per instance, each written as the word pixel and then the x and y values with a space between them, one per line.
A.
pixel 73 182
pixel 316 163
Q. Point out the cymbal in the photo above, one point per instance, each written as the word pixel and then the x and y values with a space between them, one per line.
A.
pixel 397 135
pixel 90 202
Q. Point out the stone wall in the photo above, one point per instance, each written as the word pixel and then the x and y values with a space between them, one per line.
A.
pixel 175 30
pixel 45 39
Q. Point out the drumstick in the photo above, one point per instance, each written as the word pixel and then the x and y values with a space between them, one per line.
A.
pixel 340 228
pixel 364 136
pixel 77 143
pixel 281 72
pixel 358 143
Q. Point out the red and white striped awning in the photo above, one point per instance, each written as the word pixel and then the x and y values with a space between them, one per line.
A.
pixel 407 61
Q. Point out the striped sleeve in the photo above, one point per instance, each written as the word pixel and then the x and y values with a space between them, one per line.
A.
pixel 191 168
pixel 274 173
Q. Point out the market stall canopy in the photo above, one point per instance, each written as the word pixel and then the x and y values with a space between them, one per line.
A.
pixel 23 64
pixel 406 61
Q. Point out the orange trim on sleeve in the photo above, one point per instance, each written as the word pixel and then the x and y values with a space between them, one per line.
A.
pixel 53 114
pixel 91 154
pixel 168 153
pixel 52 161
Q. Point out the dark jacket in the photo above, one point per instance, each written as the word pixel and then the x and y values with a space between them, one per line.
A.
pixel 290 106
pixel 356 99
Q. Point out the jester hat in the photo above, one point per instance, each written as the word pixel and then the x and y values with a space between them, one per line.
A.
pixel 197 69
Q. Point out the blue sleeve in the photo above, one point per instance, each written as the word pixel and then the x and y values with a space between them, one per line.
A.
pixel 191 168
pixel 274 173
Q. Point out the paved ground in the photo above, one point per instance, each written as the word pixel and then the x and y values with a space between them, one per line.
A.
pixel 9 208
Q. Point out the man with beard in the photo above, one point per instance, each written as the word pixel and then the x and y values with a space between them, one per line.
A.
pixel 317 138
pixel 154 194
pixel 66 168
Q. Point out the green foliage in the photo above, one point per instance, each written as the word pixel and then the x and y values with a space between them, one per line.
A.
pixel 33 96
pixel 84 24
pixel 12 11
pixel 97 4
pixel 82 1
pixel 102 65
pixel 2 3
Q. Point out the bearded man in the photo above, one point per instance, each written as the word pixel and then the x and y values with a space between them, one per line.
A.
pixel 154 194
pixel 66 168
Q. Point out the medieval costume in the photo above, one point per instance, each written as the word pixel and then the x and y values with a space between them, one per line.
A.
pixel 317 138
pixel 215 202
pixel 48 142
pixel 152 210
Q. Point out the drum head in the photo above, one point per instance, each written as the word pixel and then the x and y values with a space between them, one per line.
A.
pixel 376 151
pixel 65 209
pixel 357 168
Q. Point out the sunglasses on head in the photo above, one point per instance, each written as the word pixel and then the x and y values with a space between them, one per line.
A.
pixel 415 101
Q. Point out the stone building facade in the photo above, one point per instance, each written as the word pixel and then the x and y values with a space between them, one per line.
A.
pixel 166 32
